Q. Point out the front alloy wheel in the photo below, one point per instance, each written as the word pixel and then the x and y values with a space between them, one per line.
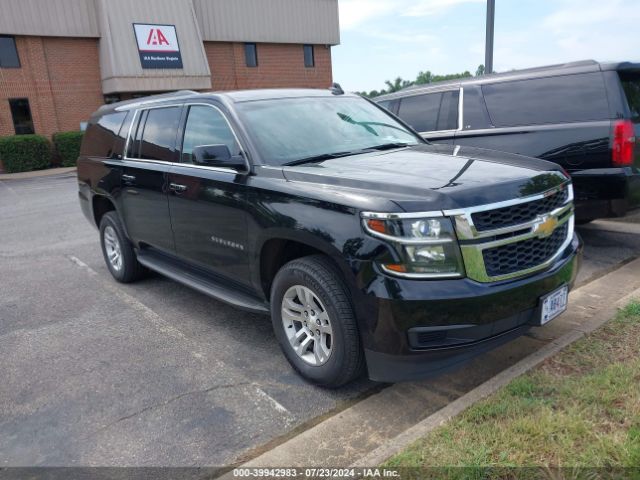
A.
pixel 307 325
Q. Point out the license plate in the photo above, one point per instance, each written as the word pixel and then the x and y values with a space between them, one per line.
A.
pixel 554 304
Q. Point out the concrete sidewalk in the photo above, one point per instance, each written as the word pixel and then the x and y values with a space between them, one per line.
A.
pixel 372 430
pixel 36 173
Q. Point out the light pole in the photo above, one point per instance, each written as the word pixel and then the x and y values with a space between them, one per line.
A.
pixel 488 49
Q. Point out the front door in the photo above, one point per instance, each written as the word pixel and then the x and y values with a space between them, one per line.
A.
pixel 150 153
pixel 207 204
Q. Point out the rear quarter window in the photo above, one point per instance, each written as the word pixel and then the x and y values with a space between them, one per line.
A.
pixel 565 98
pixel 431 112
pixel 631 86
pixel 101 138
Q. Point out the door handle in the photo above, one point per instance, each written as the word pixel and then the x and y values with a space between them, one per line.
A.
pixel 177 188
pixel 128 178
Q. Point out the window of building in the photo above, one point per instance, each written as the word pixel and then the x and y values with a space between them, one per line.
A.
pixel 158 137
pixel 206 126
pixel 21 113
pixel 8 52
pixel 309 60
pixel 565 98
pixel 112 98
pixel 251 54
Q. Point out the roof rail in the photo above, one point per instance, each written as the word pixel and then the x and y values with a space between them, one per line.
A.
pixel 153 99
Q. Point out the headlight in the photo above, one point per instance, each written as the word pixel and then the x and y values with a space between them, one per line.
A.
pixel 427 246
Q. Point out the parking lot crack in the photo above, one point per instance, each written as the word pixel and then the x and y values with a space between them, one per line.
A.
pixel 167 402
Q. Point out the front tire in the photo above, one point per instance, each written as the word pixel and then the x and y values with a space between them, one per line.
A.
pixel 314 322
pixel 117 250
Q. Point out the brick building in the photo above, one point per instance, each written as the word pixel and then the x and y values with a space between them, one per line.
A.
pixel 61 59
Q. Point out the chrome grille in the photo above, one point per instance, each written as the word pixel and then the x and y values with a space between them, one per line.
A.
pixel 518 214
pixel 515 257
pixel 517 237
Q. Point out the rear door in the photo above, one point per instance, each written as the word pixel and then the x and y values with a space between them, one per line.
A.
pixel 208 204
pixel 434 115
pixel 151 149
pixel 563 119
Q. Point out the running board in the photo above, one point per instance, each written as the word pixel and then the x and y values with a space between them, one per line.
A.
pixel 202 283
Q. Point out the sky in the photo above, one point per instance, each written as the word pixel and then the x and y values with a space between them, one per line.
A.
pixel 383 39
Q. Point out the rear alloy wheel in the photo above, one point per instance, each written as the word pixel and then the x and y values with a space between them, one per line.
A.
pixel 117 250
pixel 314 321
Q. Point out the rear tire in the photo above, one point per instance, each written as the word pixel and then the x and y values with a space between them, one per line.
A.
pixel 314 322
pixel 118 251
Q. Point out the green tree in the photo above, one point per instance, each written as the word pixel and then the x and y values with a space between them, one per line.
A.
pixel 398 84
pixel 480 70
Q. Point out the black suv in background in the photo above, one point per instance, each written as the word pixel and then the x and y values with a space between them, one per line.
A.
pixel 584 116
pixel 364 243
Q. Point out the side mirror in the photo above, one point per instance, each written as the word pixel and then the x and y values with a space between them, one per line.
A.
pixel 217 156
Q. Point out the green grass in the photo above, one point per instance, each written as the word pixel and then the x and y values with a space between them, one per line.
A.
pixel 580 408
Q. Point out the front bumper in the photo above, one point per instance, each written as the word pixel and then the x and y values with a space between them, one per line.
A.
pixel 418 329
pixel 605 192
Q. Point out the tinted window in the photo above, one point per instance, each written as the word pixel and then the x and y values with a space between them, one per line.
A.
pixel 159 134
pixel 8 53
pixel 631 86
pixel 206 126
pixel 421 111
pixel 291 129
pixel 309 60
pixel 99 139
pixel 475 112
pixel 21 115
pixel 251 54
pixel 566 98
pixel 448 116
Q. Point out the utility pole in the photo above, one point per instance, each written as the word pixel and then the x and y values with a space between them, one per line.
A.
pixel 488 49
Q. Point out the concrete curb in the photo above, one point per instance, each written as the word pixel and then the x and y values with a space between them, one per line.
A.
pixel 413 434
pixel 36 174
pixel 616 227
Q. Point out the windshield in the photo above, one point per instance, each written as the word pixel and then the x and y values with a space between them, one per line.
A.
pixel 294 129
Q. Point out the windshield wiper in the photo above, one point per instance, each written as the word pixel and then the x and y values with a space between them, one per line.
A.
pixel 318 158
pixel 389 146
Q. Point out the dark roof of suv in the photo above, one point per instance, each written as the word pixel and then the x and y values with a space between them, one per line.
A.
pixel 583 66
pixel 236 96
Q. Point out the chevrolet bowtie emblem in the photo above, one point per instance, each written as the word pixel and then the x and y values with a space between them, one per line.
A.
pixel 545 227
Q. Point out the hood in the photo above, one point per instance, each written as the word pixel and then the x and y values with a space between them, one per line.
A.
pixel 434 177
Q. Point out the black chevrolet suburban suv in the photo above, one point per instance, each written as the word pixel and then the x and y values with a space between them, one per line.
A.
pixel 369 247
pixel 584 116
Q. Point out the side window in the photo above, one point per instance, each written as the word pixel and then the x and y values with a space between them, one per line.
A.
pixel 448 117
pixel 206 126
pixel 421 111
pixel 565 98
pixel 100 136
pixel 159 134
pixel 475 116
pixel 631 86
pixel 385 104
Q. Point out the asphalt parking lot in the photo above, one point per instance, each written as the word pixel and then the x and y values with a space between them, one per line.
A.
pixel 98 373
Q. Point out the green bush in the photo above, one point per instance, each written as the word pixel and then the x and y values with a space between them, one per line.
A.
pixel 23 153
pixel 67 147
